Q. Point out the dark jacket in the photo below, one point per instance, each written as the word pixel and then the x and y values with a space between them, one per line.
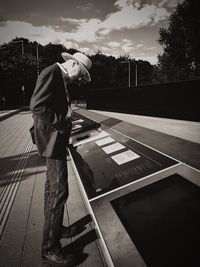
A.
pixel 49 105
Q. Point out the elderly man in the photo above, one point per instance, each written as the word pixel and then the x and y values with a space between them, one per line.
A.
pixel 50 105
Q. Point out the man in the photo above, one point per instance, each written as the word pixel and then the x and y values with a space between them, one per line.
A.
pixel 50 105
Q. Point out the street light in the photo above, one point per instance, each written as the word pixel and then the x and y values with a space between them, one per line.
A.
pixel 37 59
pixel 23 88
pixel 136 73
pixel 129 71
pixel 23 93
pixel 37 53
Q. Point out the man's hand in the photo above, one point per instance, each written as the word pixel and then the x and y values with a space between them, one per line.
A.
pixel 77 122
pixel 64 127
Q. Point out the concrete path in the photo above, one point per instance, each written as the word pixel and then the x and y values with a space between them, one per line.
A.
pixel 6 112
pixel 188 130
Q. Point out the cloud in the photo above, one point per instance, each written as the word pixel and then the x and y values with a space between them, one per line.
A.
pixel 74 30
pixel 127 46
pixel 85 7
pixel 85 50
pixel 169 4
pixel 114 44
pixel 129 16
pixel 139 45
pixel 152 59
pixel 44 34
pixel 150 48
pixel 84 30
pixel 73 21
pixel 69 44
pixel 127 41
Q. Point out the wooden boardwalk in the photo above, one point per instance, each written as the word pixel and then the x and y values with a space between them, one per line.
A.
pixel 22 177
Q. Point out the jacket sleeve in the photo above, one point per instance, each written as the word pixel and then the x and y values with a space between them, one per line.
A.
pixel 42 98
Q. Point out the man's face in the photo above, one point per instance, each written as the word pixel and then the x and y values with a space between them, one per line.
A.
pixel 78 76
pixel 78 79
pixel 75 73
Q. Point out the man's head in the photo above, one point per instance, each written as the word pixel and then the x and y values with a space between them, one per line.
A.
pixel 77 66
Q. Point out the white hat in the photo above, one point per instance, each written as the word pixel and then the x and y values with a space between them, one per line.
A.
pixel 85 62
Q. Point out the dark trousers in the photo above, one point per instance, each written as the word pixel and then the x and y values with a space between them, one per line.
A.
pixel 55 197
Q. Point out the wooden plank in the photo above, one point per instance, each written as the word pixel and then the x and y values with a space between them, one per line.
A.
pixel 12 143
pixel 33 239
pixel 12 242
pixel 7 140
pixel 21 241
pixel 11 151
pixel 11 247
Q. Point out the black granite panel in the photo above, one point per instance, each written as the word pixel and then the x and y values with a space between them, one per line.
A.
pixel 86 125
pixel 163 221
pixel 100 173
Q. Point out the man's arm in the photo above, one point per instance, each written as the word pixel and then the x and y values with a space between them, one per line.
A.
pixel 42 97
pixel 41 102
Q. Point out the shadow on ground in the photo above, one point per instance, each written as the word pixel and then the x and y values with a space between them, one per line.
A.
pixel 77 247
pixel 10 166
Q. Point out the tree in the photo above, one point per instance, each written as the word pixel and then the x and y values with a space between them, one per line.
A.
pixel 181 41
pixel 99 72
pixel 19 63
pixel 18 68
pixel 107 71
pixel 144 72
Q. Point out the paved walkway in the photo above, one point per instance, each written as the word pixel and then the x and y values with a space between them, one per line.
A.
pixel 22 177
pixel 6 112
pixel 188 130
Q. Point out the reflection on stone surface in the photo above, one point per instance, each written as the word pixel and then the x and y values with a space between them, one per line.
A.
pixel 163 221
pixel 85 172
pixel 82 124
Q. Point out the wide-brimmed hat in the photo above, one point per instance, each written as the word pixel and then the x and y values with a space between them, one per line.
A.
pixel 85 62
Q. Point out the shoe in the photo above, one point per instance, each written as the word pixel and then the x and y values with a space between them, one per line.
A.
pixel 58 257
pixel 71 231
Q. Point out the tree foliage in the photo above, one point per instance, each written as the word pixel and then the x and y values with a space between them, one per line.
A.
pixel 19 67
pixel 181 42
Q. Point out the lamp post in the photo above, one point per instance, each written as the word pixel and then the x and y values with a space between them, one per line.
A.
pixel 136 73
pixel 37 59
pixel 129 71
pixel 23 92
pixel 23 88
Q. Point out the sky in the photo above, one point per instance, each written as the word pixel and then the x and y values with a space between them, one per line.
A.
pixel 114 27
